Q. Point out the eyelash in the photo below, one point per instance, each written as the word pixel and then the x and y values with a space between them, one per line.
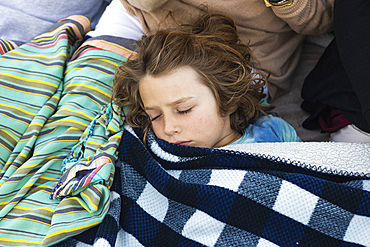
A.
pixel 155 118
pixel 184 112
pixel 179 112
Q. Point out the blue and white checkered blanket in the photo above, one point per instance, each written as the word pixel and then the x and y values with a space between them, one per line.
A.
pixel 169 195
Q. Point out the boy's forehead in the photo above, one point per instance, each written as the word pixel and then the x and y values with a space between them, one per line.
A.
pixel 181 86
pixel 182 80
pixel 172 103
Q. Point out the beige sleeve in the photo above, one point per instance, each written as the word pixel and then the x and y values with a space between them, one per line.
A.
pixel 168 15
pixel 147 5
pixel 308 17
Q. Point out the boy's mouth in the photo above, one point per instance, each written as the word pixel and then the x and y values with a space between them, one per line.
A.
pixel 182 143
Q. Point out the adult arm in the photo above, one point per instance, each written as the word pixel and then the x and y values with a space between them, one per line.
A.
pixel 308 17
pixel 352 30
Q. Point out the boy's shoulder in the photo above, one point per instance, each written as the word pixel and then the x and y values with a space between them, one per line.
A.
pixel 269 129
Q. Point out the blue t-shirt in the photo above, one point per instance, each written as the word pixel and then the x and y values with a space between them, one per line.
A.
pixel 268 129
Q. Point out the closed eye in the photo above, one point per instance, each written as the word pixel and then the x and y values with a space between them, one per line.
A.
pixel 153 119
pixel 184 112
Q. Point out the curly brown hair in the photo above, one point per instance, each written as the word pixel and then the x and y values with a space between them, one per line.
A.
pixel 211 46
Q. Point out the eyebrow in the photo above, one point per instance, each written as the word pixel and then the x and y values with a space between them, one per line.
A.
pixel 173 103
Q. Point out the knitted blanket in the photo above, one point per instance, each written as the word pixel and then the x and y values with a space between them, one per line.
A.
pixel 169 195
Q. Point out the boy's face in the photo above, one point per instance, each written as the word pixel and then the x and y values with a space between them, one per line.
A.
pixel 184 111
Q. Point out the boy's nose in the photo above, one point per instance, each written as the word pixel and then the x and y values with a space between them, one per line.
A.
pixel 171 126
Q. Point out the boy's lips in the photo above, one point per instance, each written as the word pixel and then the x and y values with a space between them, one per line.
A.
pixel 183 143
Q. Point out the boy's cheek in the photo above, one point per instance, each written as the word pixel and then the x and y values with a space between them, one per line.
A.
pixel 156 131
pixel 159 132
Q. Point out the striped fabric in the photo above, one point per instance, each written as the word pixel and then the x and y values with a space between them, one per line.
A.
pixel 56 133
pixel 6 45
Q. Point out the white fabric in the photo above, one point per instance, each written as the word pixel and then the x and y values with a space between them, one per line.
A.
pixel 295 202
pixel 150 196
pixel 221 178
pixel 265 243
pixel 125 239
pixel 116 21
pixel 357 231
pixel 203 228
pixel 330 156
pixel 350 133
